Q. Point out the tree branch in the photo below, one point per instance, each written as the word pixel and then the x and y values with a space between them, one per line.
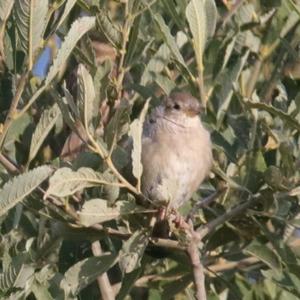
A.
pixel 103 280
pixel 198 270
pixel 209 227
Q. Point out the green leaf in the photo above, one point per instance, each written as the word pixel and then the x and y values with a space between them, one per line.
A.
pixel 226 92
pixel 66 182
pixel 85 54
pixel 8 278
pixel 118 125
pixel 156 64
pixel 80 27
pixel 291 122
pixel 86 271
pixel 136 130
pixel 17 128
pixel 195 14
pixel 170 8
pixel 294 7
pixel 211 15
pixel 86 96
pixel 20 186
pixel 16 275
pixel 265 254
pixel 128 282
pixel 30 16
pixel 41 291
pixel 133 250
pixel 97 211
pixel 295 191
pixel 133 42
pixel 176 286
pixel 168 38
pixel 64 107
pixel 68 7
pixel 74 111
pixel 5 9
pixel 108 29
pixel 166 84
pixel 111 193
pixel 45 124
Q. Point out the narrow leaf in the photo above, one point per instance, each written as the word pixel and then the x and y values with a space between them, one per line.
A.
pixel 211 14
pixel 20 186
pixel 86 271
pixel 16 275
pixel 168 38
pixel 66 182
pixel 5 9
pixel 166 84
pixel 135 131
pixel 295 191
pixel 170 7
pixel 195 14
pixel 45 124
pixel 77 30
pixel 156 64
pixel 5 43
pixel 226 92
pixel 263 253
pixel 30 20
pixel 68 7
pixel 64 107
pixel 97 211
pixel 9 276
pixel 108 29
pixel 133 250
pixel 128 283
pixel 290 121
pixel 86 96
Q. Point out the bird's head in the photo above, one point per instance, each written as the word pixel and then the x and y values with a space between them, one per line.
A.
pixel 182 104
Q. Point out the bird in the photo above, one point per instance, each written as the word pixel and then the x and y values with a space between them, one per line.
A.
pixel 176 151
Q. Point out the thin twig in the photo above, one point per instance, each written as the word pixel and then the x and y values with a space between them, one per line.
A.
pixel 110 164
pixel 8 165
pixel 167 243
pixel 229 265
pixel 200 82
pixel 147 7
pixel 206 229
pixel 198 270
pixel 103 280
pixel 146 279
pixel 194 255
pixel 205 202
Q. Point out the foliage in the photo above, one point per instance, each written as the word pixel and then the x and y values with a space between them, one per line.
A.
pixel 69 212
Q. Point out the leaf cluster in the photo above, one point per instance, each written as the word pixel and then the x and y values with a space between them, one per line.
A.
pixel 72 225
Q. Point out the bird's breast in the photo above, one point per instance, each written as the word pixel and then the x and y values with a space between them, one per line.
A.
pixel 175 163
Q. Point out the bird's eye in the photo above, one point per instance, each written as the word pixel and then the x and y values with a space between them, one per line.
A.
pixel 176 106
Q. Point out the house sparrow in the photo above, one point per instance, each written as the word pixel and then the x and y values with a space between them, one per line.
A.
pixel 176 151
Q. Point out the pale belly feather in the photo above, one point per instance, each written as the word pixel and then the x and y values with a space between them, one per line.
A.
pixel 177 166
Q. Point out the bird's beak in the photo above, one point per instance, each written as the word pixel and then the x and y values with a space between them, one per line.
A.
pixel 192 113
pixel 195 110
